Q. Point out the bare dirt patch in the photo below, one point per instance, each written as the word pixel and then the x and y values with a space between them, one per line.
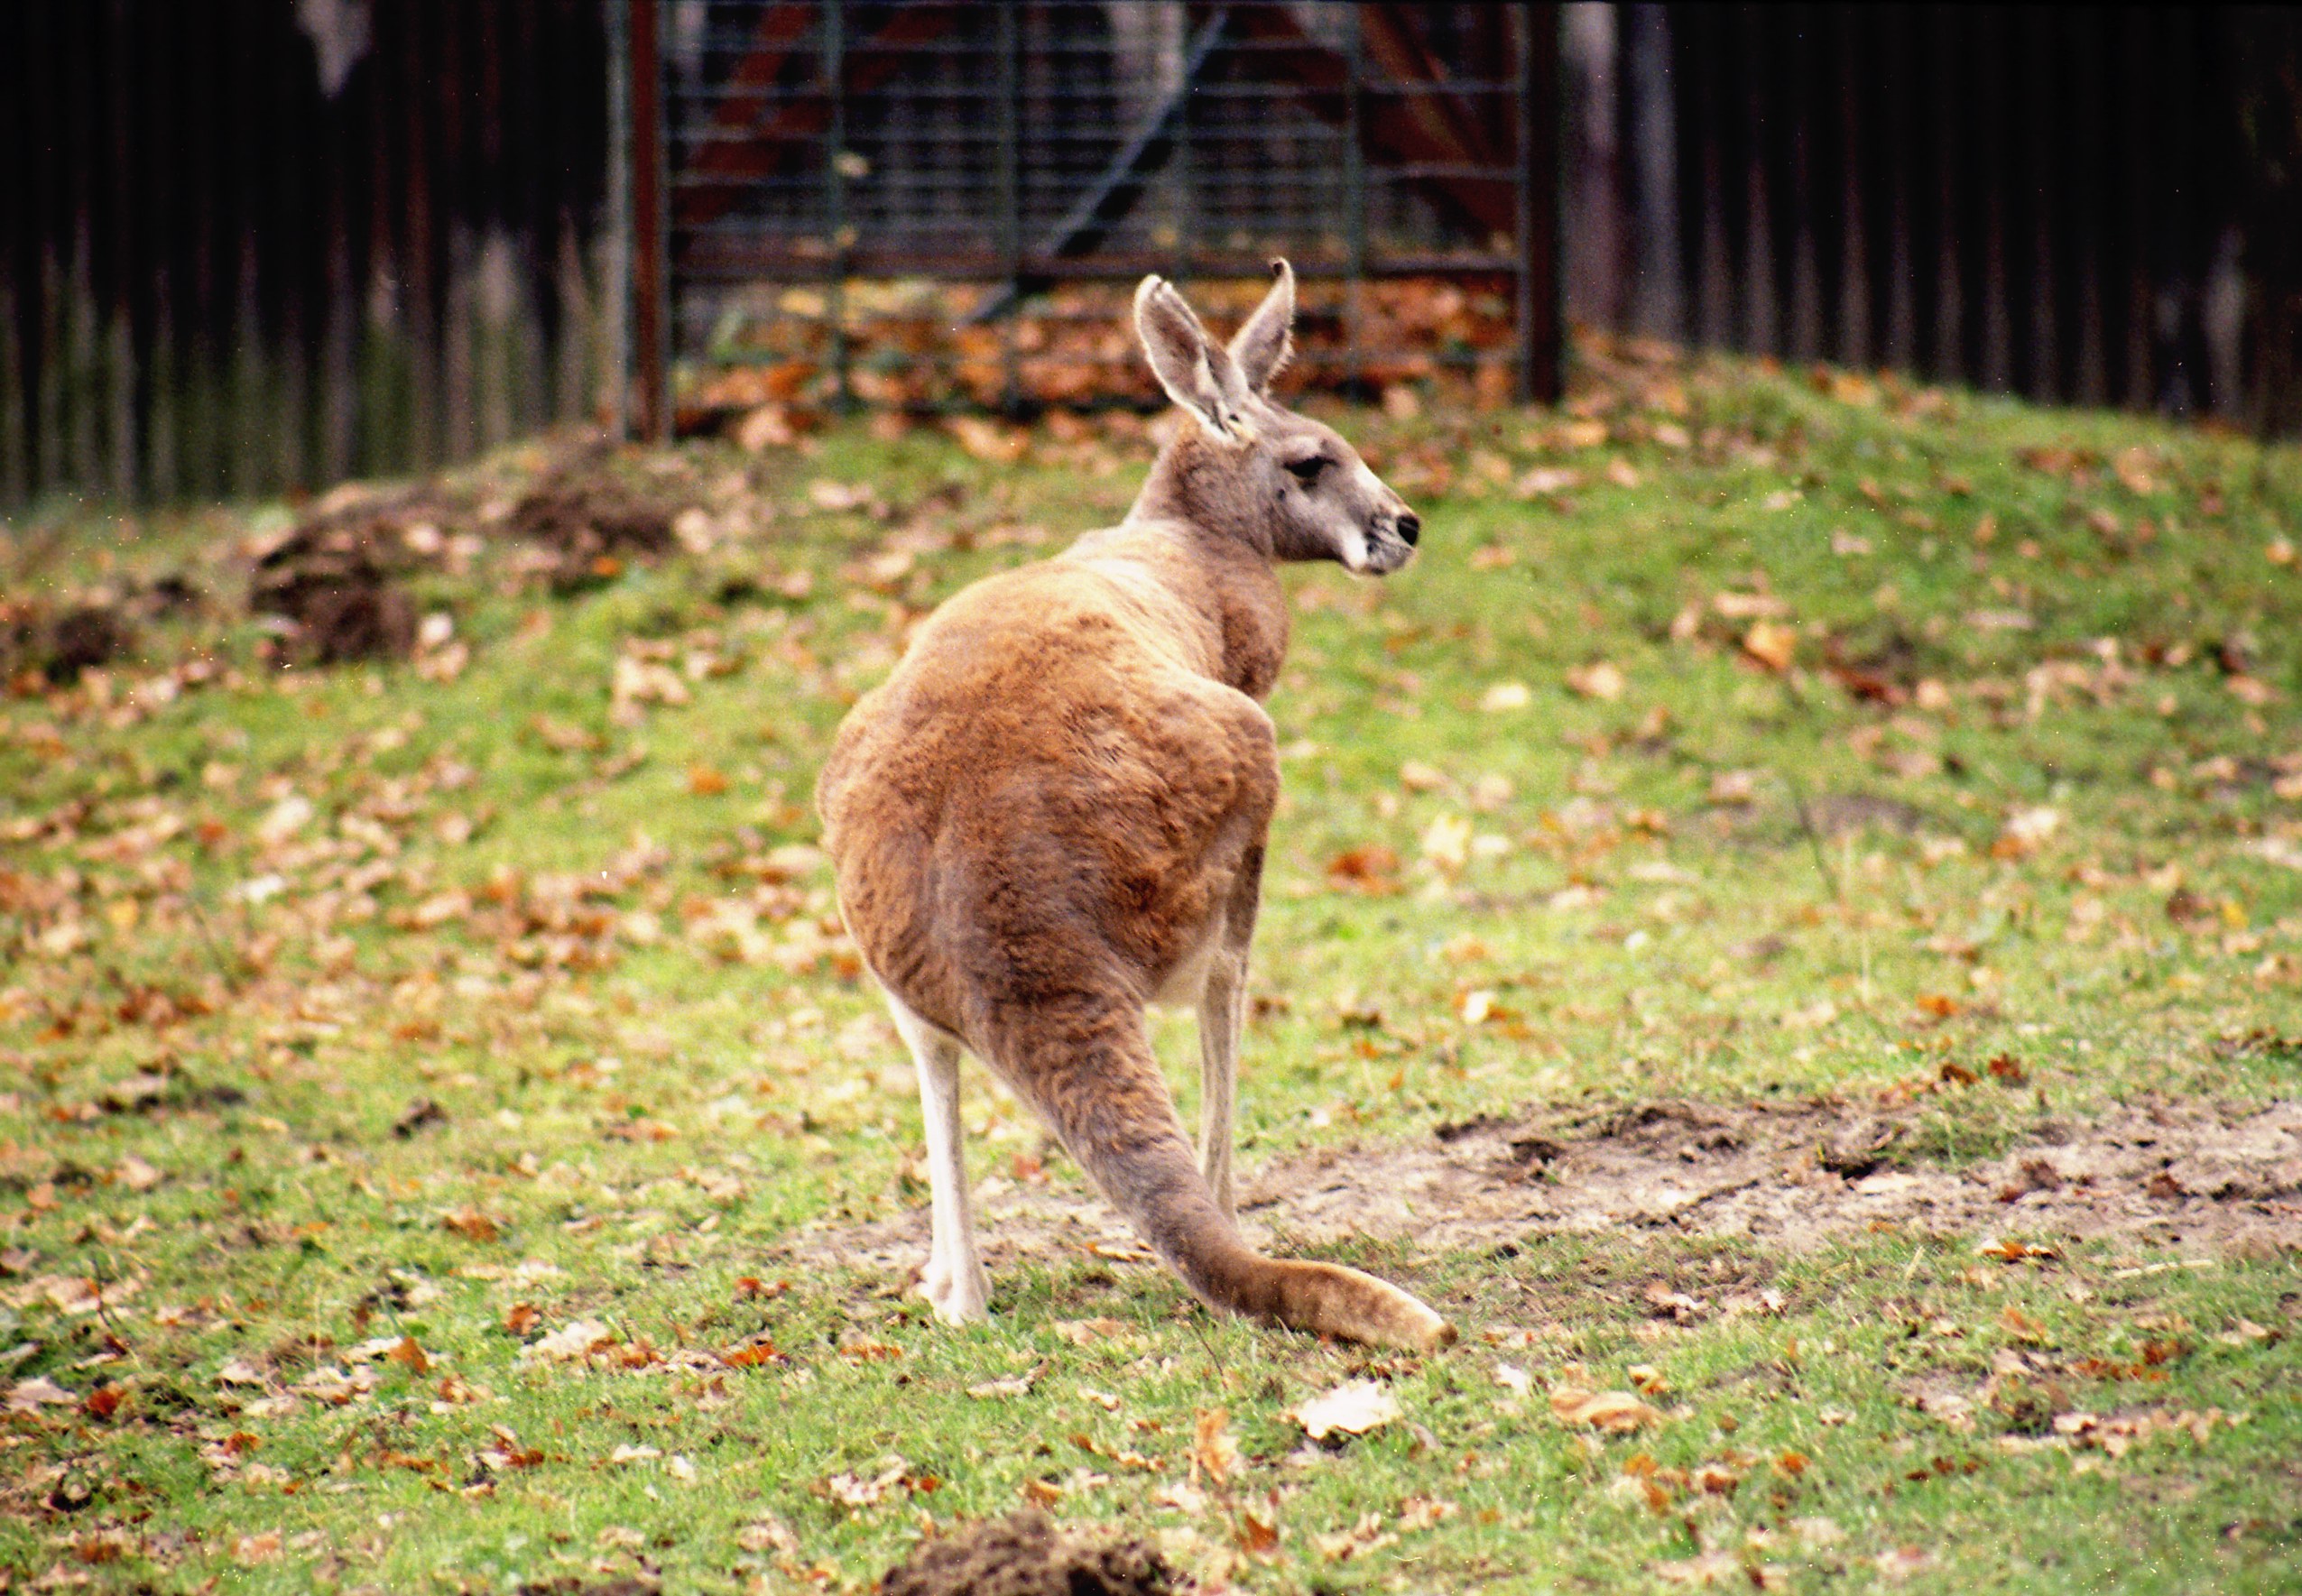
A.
pixel 2205 1179
pixel 1027 1555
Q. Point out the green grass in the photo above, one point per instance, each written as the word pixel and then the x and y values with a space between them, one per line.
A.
pixel 1729 882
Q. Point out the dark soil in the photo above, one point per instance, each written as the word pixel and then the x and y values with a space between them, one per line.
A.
pixel 587 520
pixel 1027 1555
pixel 336 581
pixel 102 627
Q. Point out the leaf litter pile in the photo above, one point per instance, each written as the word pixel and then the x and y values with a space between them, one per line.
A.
pixel 1787 922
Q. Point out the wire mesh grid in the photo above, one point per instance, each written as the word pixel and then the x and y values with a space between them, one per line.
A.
pixel 930 205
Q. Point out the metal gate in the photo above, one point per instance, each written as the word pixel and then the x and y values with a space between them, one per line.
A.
pixel 832 199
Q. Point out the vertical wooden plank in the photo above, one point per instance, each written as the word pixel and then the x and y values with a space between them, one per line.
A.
pixel 1945 103
pixel 15 134
pixel 1856 109
pixel 452 191
pixel 1762 306
pixel 1991 157
pixel 160 174
pixel 2085 140
pixel 247 379
pixel 2136 114
pixel 1795 98
pixel 85 400
pixel 1700 59
pixel 45 333
pixel 202 396
pixel 650 286
pixel 291 89
pixel 2184 232
pixel 337 399
pixel 121 447
pixel 419 310
pixel 1542 375
pixel 1900 167
pixel 2046 192
pixel 381 355
pixel 514 64
pixel 1658 291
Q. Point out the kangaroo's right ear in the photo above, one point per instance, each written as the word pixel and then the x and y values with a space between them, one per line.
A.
pixel 1262 346
pixel 1197 373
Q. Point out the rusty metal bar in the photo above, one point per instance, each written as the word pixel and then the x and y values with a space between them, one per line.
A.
pixel 835 190
pixel 1010 201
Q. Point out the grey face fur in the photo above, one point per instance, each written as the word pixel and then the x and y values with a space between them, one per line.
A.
pixel 1287 483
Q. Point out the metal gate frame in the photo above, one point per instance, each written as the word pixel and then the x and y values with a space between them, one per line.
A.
pixel 642 185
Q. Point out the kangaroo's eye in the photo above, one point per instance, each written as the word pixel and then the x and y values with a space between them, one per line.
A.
pixel 1307 471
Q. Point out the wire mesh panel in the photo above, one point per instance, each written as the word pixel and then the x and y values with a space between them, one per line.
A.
pixel 930 204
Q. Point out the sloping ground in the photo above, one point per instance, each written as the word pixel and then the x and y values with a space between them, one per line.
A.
pixel 2190 1175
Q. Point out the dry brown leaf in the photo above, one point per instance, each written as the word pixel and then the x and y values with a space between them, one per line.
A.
pixel 1601 679
pixel 471 1225
pixel 1616 1411
pixel 1214 1450
pixel 1772 643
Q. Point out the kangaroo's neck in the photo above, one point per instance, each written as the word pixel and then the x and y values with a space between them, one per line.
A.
pixel 1186 531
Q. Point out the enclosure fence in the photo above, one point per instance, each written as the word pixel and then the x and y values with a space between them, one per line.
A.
pixel 249 246
pixel 842 148
pixel 257 246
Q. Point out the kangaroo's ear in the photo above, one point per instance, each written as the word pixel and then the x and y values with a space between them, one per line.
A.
pixel 1261 347
pixel 1197 372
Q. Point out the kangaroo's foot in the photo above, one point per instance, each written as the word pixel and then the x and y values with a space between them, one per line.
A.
pixel 959 1296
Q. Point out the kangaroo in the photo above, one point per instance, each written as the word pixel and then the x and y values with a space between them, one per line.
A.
pixel 1054 812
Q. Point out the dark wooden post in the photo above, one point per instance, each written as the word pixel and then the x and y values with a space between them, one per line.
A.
pixel 1542 368
pixel 651 283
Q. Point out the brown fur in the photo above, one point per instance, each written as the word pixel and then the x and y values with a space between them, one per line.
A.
pixel 1056 807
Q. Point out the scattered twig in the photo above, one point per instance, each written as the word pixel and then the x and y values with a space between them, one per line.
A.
pixel 1814 837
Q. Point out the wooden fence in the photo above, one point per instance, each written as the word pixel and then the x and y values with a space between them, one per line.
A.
pixel 255 245
pixel 2091 205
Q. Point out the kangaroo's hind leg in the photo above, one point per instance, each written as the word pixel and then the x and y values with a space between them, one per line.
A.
pixel 1222 1017
pixel 955 1281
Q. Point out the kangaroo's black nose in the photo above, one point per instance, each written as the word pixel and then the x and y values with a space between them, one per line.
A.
pixel 1409 526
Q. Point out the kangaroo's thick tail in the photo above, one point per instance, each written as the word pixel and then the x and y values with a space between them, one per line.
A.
pixel 1098 1084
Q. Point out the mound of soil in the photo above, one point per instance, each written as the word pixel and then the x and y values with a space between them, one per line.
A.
pixel 1027 1555
pixel 101 627
pixel 587 520
pixel 335 583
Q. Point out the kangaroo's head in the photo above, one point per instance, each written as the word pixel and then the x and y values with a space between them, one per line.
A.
pixel 1252 469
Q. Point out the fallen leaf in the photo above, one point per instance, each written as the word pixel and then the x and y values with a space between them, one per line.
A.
pixel 1506 696
pixel 1772 643
pixel 471 1225
pixel 570 1343
pixel 1354 1408
pixel 1616 1411
pixel 1214 1449
pixel 1713 1567
pixel 29 1396
pixel 1423 1512
pixel 1367 1534
pixel 1601 679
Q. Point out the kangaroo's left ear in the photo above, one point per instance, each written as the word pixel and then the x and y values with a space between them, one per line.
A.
pixel 1262 346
